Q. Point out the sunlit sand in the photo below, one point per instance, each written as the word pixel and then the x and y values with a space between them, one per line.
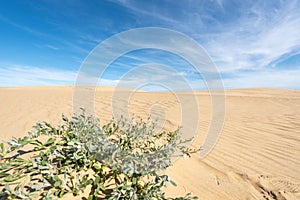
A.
pixel 257 155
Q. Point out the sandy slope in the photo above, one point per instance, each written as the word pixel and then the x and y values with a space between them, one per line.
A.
pixel 256 157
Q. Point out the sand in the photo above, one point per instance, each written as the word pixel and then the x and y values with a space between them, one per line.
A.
pixel 257 155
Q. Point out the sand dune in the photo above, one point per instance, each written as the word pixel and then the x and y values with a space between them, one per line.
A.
pixel 257 155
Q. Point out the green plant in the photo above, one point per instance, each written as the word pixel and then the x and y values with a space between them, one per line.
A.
pixel 120 160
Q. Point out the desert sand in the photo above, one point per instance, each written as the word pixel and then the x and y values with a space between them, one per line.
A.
pixel 257 155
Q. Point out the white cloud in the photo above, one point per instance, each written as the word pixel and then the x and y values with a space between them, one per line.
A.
pixel 257 40
pixel 259 36
pixel 246 47
pixel 265 79
pixel 18 75
pixel 30 30
pixel 135 9
pixel 51 47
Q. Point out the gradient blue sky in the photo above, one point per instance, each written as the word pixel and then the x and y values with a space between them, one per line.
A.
pixel 253 43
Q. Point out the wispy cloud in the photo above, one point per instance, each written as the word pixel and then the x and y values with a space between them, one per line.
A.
pixel 258 39
pixel 63 42
pixel 22 27
pixel 48 46
pixel 134 7
pixel 51 47
pixel 243 38
pixel 18 75
pixel 265 79
pixel 249 41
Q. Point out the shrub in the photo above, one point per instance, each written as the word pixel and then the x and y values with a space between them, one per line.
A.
pixel 120 160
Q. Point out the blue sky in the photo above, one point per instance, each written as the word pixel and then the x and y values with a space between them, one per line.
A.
pixel 252 43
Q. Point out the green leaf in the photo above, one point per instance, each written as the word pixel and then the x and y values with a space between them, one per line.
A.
pixel 3 151
pixel 35 142
pixel 50 142
pixel 57 184
pixel 61 193
pixel 126 187
pixel 134 180
pixel 56 193
pixel 64 118
pixel 4 175
pixel 97 180
pixel 102 187
pixel 4 166
pixel 173 183
pixel 13 178
pixel 37 187
pixel 18 160
pixel 23 141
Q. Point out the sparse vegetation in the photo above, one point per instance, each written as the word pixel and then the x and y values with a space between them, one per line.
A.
pixel 120 160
